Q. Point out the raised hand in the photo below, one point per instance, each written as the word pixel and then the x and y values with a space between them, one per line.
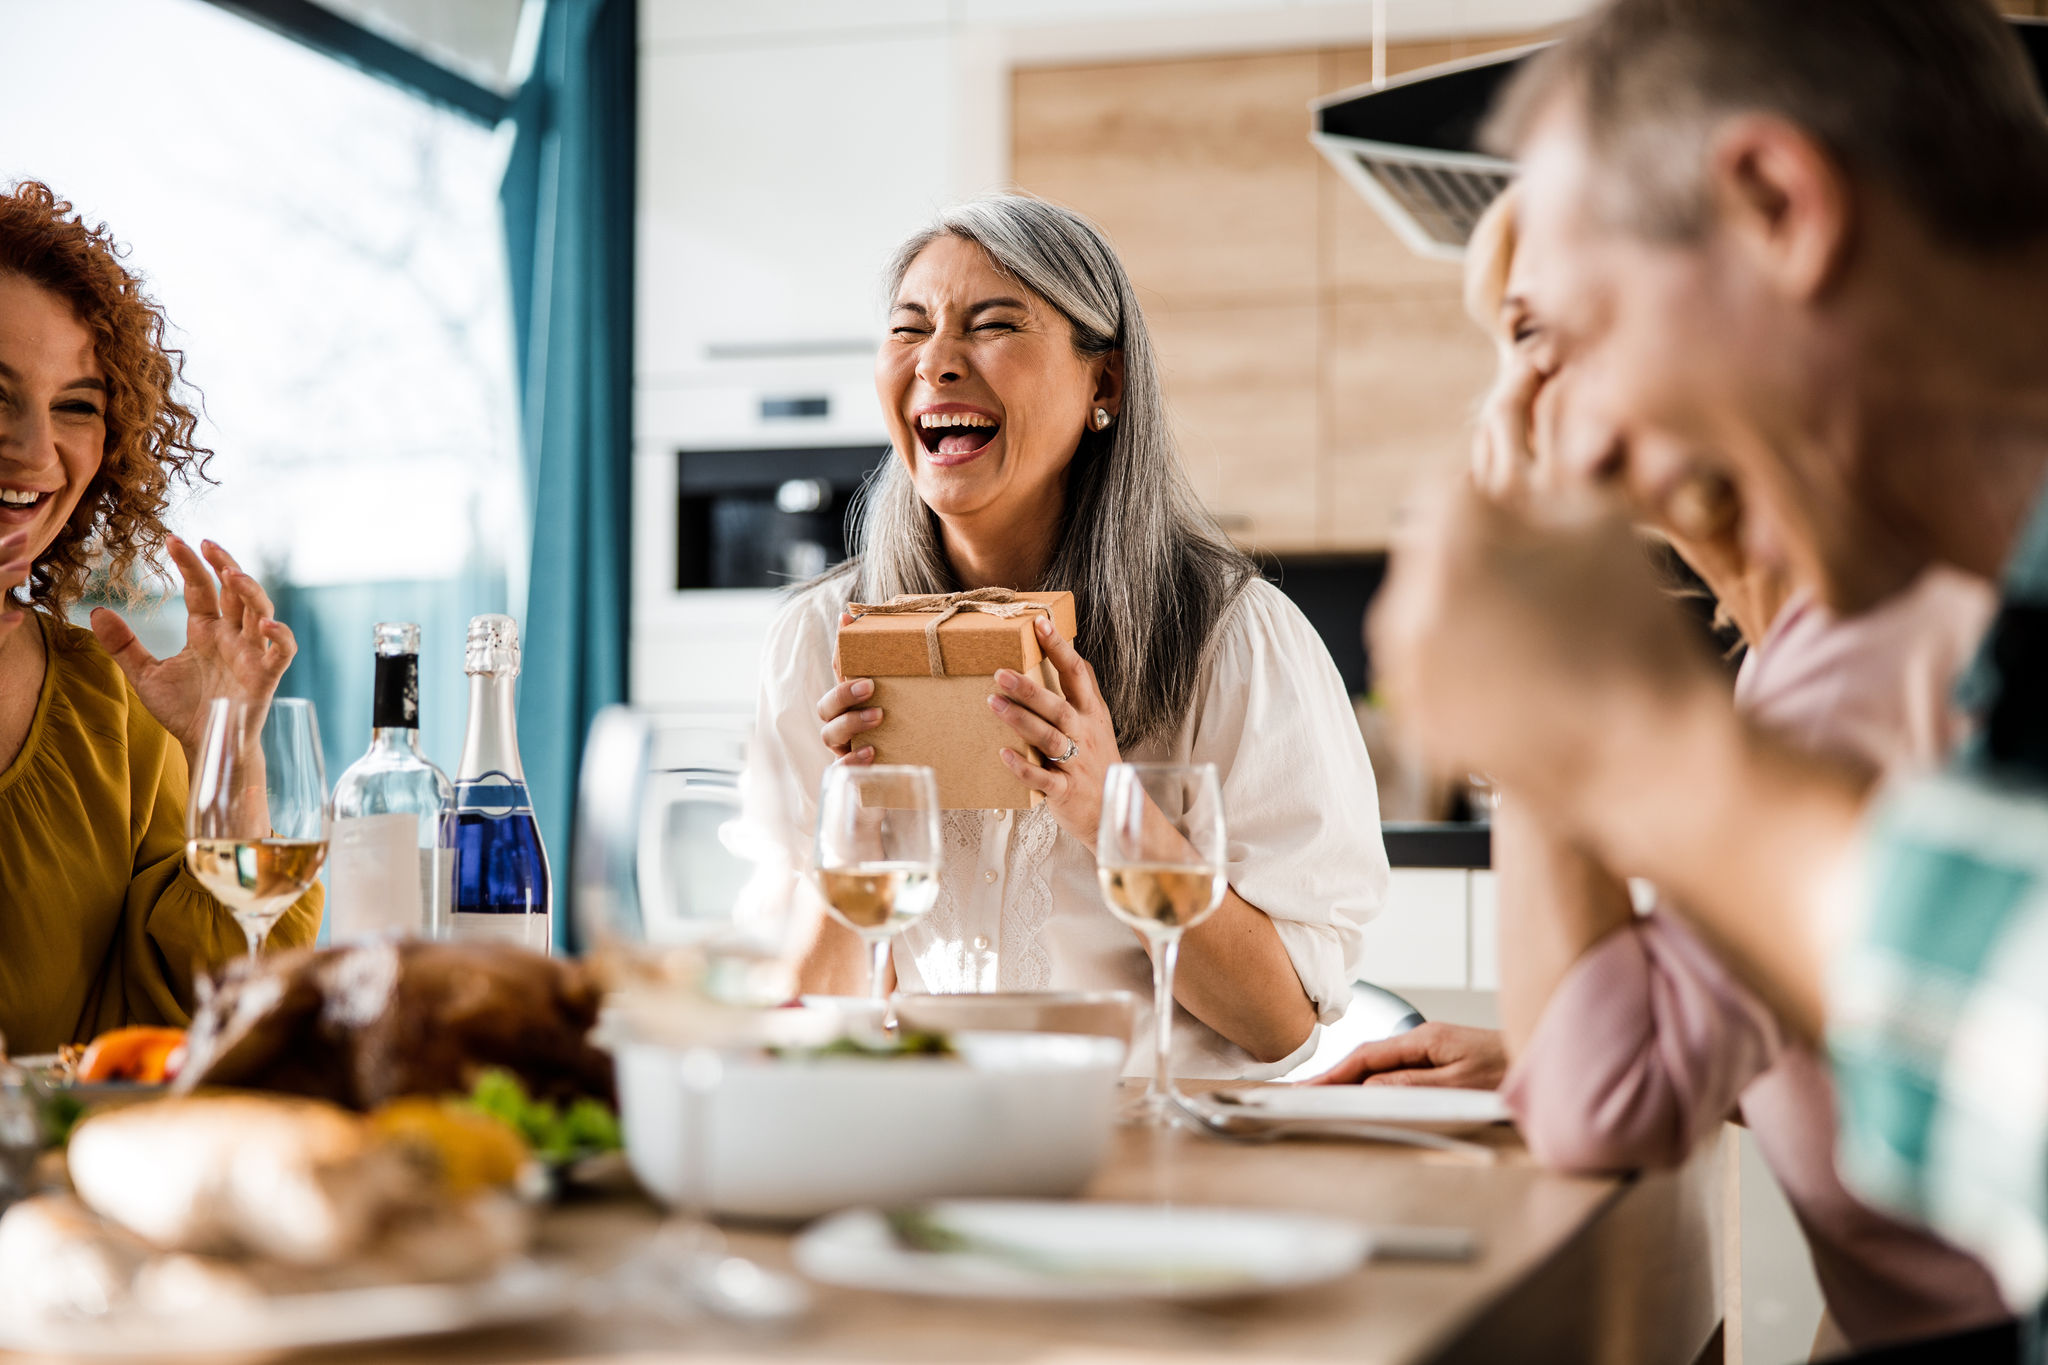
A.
pixel 1540 652
pixel 1504 461
pixel 15 563
pixel 234 646
pixel 1053 724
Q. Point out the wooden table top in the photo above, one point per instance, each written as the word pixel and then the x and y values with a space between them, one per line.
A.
pixel 1568 1269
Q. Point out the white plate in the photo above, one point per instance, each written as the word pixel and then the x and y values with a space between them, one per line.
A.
pixel 293 1322
pixel 1370 1103
pixel 1020 1249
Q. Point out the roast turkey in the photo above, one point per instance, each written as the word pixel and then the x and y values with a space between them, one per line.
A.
pixel 362 1025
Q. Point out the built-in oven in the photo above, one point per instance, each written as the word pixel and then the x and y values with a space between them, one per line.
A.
pixel 765 518
pixel 720 534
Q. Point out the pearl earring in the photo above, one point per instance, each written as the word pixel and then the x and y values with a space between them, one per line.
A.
pixel 1102 419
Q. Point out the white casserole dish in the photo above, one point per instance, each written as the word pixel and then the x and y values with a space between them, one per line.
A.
pixel 1016 1114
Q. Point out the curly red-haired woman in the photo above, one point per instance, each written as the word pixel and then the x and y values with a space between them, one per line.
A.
pixel 100 924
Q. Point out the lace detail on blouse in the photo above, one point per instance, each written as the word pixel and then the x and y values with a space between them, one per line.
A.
pixel 939 941
pixel 1023 964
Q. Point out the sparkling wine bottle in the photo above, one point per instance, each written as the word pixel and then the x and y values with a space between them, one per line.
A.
pixel 501 870
pixel 393 860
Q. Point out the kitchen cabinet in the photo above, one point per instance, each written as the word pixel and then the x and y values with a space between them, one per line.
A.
pixel 690 660
pixel 1314 365
pixel 741 255
pixel 1402 375
pixel 1418 940
pixel 1244 409
pixel 1436 932
pixel 1483 915
pixel 1199 171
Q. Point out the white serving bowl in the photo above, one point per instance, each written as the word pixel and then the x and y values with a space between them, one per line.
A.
pixel 855 1015
pixel 1101 1014
pixel 1018 1114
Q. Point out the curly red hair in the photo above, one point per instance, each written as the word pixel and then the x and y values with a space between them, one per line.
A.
pixel 119 523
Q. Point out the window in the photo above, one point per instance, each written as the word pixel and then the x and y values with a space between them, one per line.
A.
pixel 330 255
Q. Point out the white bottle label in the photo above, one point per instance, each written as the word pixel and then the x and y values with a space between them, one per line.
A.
pixel 374 883
pixel 437 891
pixel 525 931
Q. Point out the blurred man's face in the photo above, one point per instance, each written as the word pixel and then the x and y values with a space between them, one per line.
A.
pixel 1683 348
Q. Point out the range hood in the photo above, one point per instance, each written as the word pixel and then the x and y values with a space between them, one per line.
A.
pixel 1411 146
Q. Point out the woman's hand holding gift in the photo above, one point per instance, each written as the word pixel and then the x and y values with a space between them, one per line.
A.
pixel 1074 734
pixel 847 716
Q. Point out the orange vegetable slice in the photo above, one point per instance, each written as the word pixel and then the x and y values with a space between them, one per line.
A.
pixel 131 1054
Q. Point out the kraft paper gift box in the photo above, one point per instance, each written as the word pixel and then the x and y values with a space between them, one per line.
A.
pixel 933 661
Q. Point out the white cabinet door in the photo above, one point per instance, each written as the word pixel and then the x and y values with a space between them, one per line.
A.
pixel 1419 939
pixel 1485 899
pixel 703 649
pixel 774 183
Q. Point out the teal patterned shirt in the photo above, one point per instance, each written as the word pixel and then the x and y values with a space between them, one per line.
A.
pixel 1938 1006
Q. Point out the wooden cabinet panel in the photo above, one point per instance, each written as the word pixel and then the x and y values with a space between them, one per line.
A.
pixel 1200 171
pixel 1363 498
pixel 1402 376
pixel 1313 363
pixel 1241 386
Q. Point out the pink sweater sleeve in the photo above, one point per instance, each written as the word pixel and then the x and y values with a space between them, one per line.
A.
pixel 1647 1043
pixel 1642 1051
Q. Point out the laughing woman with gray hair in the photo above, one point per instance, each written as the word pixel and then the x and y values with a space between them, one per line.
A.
pixel 1032 452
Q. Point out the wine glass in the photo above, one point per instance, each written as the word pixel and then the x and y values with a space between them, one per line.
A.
pixel 659 921
pixel 1159 857
pixel 256 830
pixel 878 853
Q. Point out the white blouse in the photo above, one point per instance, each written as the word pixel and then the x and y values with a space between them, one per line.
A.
pixel 1019 907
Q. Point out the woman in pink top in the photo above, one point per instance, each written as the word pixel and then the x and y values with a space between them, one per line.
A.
pixel 1631 1042
pixel 1647 1044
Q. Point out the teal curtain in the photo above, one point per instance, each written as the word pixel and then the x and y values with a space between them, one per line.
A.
pixel 568 203
pixel 335 666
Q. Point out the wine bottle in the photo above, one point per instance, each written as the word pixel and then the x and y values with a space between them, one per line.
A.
pixel 501 869
pixel 393 860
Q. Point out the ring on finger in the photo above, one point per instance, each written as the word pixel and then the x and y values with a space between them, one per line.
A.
pixel 1073 747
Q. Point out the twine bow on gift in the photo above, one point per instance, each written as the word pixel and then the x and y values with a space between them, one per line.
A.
pixel 946 605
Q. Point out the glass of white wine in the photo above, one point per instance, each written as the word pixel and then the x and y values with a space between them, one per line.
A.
pixel 256 829
pixel 878 853
pixel 1159 856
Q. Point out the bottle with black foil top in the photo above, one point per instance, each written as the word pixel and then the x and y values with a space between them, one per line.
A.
pixel 392 866
pixel 501 870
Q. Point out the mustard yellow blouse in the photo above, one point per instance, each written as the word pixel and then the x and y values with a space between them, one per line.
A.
pixel 100 923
